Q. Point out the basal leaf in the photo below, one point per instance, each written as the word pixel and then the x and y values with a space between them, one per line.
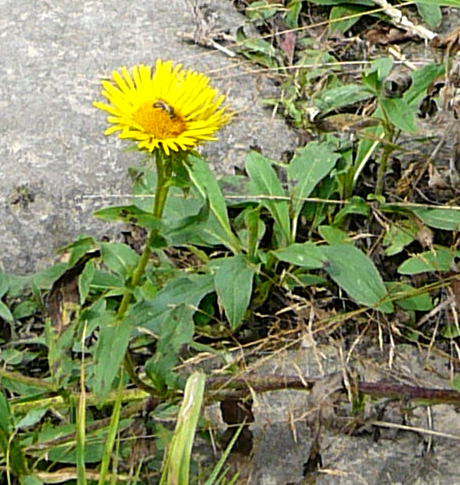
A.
pixel 413 301
pixel 111 348
pixel 308 167
pixel 355 272
pixel 233 283
pixel 188 290
pixel 206 183
pixel 448 219
pixel 306 255
pixel 341 96
pixel 439 259
pixel 265 182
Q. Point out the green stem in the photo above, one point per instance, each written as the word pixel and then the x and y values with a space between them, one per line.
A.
pixel 164 170
pixel 387 151
pixel 382 169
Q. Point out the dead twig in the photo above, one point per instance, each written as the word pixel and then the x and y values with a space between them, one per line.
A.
pixel 400 20
pixel 237 388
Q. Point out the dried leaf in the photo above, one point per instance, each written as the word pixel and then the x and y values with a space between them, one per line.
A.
pixel 64 296
pixel 287 44
pixel 385 35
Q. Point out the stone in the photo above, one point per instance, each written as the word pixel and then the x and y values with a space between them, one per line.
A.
pixel 53 152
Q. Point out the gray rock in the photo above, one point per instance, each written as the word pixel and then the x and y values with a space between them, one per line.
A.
pixel 53 150
pixel 283 427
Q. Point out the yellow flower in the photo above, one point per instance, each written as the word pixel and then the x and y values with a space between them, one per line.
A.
pixel 172 108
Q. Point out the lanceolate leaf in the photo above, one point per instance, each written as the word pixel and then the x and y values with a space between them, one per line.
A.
pixel 120 258
pixel 129 214
pixel 206 183
pixel 308 167
pixel 233 283
pixel 306 255
pixel 355 272
pixel 448 219
pixel 187 290
pixel 264 182
pixel 439 259
pixel 112 344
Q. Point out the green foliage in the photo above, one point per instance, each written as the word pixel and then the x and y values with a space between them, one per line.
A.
pixel 212 265
pixel 176 467
pixel 233 283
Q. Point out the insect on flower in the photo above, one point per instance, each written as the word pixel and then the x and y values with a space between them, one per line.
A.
pixel 160 104
pixel 165 108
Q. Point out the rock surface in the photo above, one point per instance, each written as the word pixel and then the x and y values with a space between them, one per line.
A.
pixel 284 424
pixel 52 150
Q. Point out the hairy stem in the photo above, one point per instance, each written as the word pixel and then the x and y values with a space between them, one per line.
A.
pixel 164 171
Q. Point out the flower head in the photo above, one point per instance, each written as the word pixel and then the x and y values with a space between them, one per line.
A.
pixel 171 108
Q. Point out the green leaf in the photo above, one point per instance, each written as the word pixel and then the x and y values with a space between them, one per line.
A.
pixel 303 279
pixel 129 214
pixel 338 97
pixel 260 10
pixel 356 206
pixel 431 14
pixel 265 182
pixel 377 73
pixel 45 279
pixel 448 219
pixel 256 49
pixel 306 255
pixel 25 309
pixel 175 330
pixel 5 313
pixel 439 259
pixel 187 290
pixel 416 302
pixel 333 235
pixel 120 258
pixel 308 167
pixel 400 113
pixel 421 80
pixel 32 417
pixel 355 272
pixel 30 480
pixel 85 279
pixel 206 183
pixel 176 468
pixel 5 414
pixel 17 461
pixel 339 2
pixel 399 236
pixel 4 283
pixel 233 283
pixel 344 11
pixel 112 344
pixel 102 280
pixel 78 249
pixel 294 7
pixel 442 3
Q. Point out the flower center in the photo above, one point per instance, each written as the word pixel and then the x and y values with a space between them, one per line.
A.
pixel 159 119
